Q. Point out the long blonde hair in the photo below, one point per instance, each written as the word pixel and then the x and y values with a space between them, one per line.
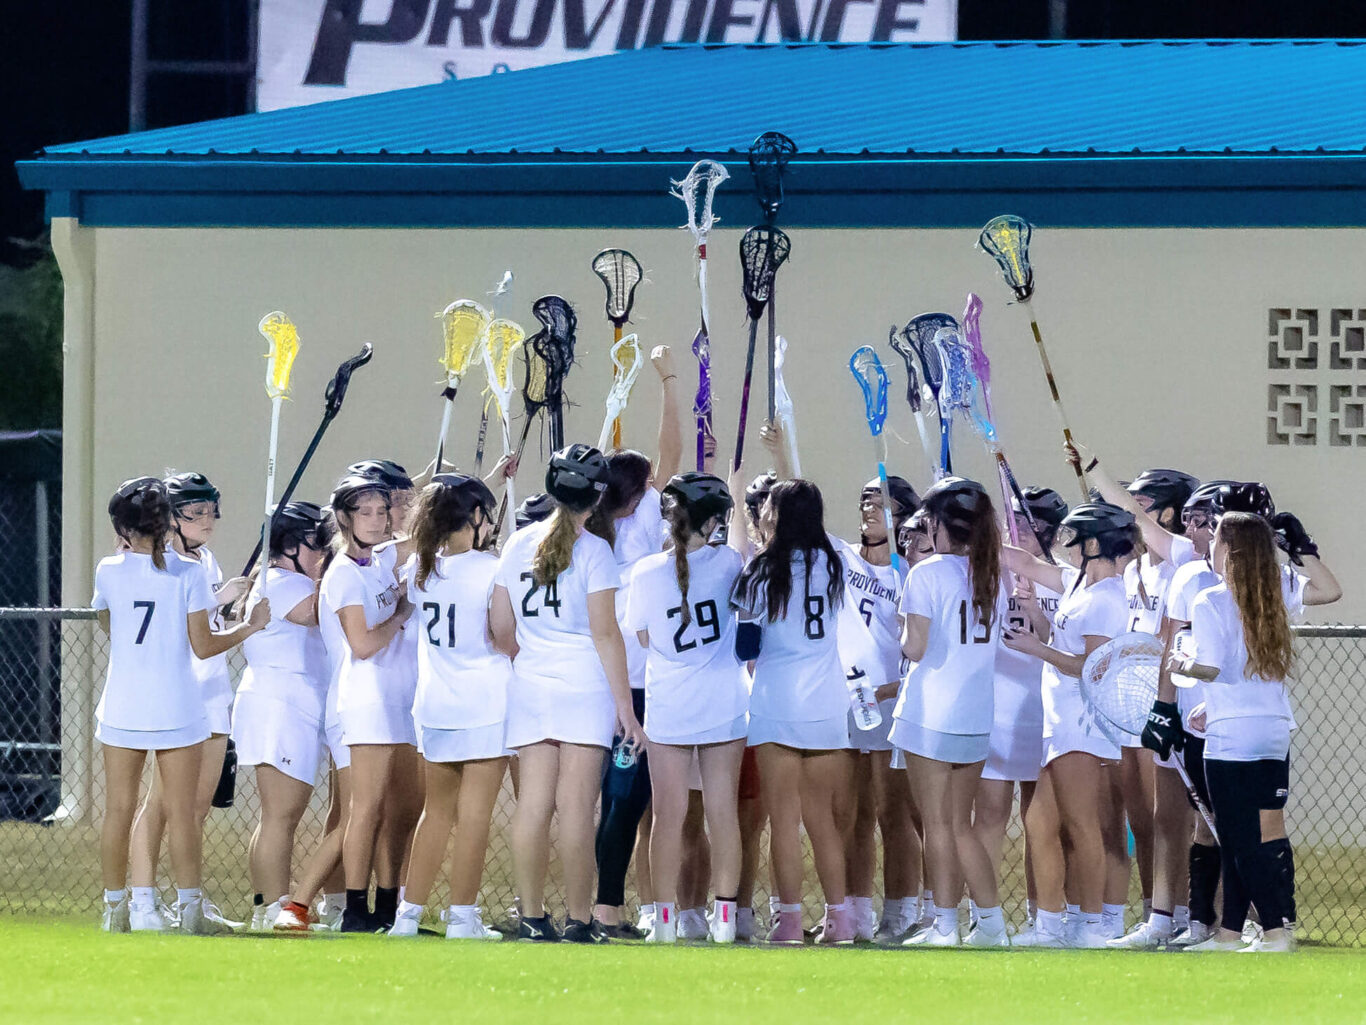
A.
pixel 1254 580
pixel 556 550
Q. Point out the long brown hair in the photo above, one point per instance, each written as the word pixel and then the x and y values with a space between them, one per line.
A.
pixel 799 527
pixel 1254 580
pixel 628 475
pixel 972 525
pixel 440 512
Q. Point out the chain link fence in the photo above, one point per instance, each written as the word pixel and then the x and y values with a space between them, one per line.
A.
pixel 53 788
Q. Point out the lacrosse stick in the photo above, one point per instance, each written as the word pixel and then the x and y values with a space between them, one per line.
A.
pixel 620 273
pixel 762 251
pixel 872 381
pixel 1119 685
pixel 698 188
pixel 463 323
pixel 502 340
pixel 333 395
pixel 955 388
pixel 503 288
pixel 919 335
pixel 768 157
pixel 1006 240
pixel 983 421
pixel 283 336
pixel 903 348
pixel 626 364
pixel 786 412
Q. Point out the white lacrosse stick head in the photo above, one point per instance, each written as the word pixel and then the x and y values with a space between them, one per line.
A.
pixel 782 401
pixel 626 363
pixel 502 339
pixel 1119 681
pixel 697 190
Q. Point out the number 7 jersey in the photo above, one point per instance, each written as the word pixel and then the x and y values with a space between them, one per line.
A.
pixel 693 681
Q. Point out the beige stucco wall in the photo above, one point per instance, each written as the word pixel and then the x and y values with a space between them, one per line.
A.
pixel 1158 337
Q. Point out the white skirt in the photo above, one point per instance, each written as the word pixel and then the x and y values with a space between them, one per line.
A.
pixel 377 724
pixel 878 738
pixel 956 748
pixel 535 716
pixel 267 731
pixel 219 717
pixel 736 729
pixel 152 740
pixel 1072 738
pixel 823 735
pixel 450 746
pixel 336 746
pixel 1015 753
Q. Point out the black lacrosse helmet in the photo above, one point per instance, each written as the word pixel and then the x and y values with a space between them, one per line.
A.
pixel 1166 489
pixel 188 488
pixel 136 495
pixel 533 509
pixel 902 494
pixel 1202 499
pixel 1251 497
pixel 385 471
pixel 955 501
pixel 472 492
pixel 917 523
pixel 757 491
pixel 351 487
pixel 294 524
pixel 1096 519
pixel 1044 504
pixel 704 495
pixel 577 475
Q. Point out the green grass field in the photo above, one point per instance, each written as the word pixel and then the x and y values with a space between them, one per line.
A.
pixel 65 970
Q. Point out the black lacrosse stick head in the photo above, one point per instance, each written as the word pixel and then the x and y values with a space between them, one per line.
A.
pixel 554 343
pixel 903 348
pixel 919 333
pixel 620 273
pixel 768 157
pixel 763 249
pixel 336 388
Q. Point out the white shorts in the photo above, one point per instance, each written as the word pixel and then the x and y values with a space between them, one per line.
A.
pixel 336 747
pixel 1016 753
pixel 449 746
pixel 152 740
pixel 736 729
pixel 956 748
pixel 1068 741
pixel 876 739
pixel 267 731
pixel 219 717
pixel 535 716
pixel 824 735
pixel 377 724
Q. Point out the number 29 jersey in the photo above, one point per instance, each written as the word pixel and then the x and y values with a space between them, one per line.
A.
pixel 693 681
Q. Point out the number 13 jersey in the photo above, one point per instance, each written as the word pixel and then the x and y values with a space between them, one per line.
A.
pixel 693 681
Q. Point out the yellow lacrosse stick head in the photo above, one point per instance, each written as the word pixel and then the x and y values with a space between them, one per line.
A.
pixel 283 337
pixel 463 324
pixel 502 339
pixel 537 376
pixel 1006 240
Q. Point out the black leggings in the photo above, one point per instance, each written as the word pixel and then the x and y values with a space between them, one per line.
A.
pixel 623 805
pixel 1254 872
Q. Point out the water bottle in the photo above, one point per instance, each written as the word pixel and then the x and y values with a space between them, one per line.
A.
pixel 867 715
pixel 624 754
pixel 621 772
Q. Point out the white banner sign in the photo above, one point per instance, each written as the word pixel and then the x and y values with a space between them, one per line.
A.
pixel 313 50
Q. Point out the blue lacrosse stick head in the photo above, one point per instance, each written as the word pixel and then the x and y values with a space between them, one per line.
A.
pixel 961 389
pixel 868 371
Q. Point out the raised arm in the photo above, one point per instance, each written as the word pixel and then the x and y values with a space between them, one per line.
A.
pixel 206 644
pixel 1032 568
pixel 670 417
pixel 1155 536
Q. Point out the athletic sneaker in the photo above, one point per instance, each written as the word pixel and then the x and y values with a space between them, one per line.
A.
pixel 897 939
pixel 406 924
pixel 196 921
pixel 1196 932
pixel 142 919
pixel 692 924
pixel 357 922
pixel 865 925
pixel 292 917
pixel 746 925
pixel 1251 931
pixel 468 926
pixel 537 930
pixel 263 916
pixel 623 931
pixel 646 920
pixel 1143 937
pixel 325 918
pixel 837 928
pixel 787 929
pixel 212 914
pixel 1261 945
pixel 932 937
pixel 1032 936
pixel 115 917
pixel 583 932
pixel 980 937
pixel 1090 936
pixel 663 932
pixel 724 931
pixel 1215 943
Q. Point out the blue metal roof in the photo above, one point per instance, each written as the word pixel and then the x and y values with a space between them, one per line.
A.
pixel 1079 126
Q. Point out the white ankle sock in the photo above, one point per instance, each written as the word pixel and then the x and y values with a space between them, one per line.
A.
pixel 665 912
pixel 790 909
pixel 334 902
pixel 408 910
pixel 188 896
pixel 910 908
pixel 1113 915
pixel 1073 910
pixel 991 920
pixel 1050 922
pixel 844 905
pixel 1032 909
pixel 724 911
pixel 113 896
pixel 463 912
pixel 1160 923
pixel 144 897
pixel 945 920
pixel 1181 917
pixel 861 905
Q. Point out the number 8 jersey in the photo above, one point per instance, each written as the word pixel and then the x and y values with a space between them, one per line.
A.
pixel 693 681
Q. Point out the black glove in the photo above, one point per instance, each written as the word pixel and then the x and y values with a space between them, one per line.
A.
pixel 1292 538
pixel 1163 733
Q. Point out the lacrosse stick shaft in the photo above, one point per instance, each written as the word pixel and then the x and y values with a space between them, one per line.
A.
pixel 880 450
pixel 445 426
pixel 703 374
pixel 616 423
pixel 945 456
pixel 744 393
pixel 1008 476
pixel 772 355
pixel 1057 398
pixel 271 453
pixel 479 444
pixel 1180 762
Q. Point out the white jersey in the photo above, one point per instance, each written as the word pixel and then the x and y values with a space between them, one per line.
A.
pixel 1246 718
pixel 693 681
pixel 215 682
pixel 151 683
pixel 1148 604
pixel 462 682
pixel 1098 610
pixel 408 637
pixel 554 639
pixel 874 592
pixel 379 679
pixel 287 661
pixel 1186 584
pixel 951 689
pixel 1182 550
pixel 1019 677
pixel 799 676
pixel 639 535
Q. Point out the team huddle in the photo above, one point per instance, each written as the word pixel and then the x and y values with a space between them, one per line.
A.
pixel 668 662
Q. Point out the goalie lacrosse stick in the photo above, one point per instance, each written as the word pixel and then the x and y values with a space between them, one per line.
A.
pixel 620 273
pixel 762 251
pixel 626 363
pixel 463 324
pixel 872 381
pixel 983 421
pixel 919 335
pixel 768 157
pixel 1006 240
pixel 501 342
pixel 903 348
pixel 1119 685
pixel 333 396
pixel 786 412
pixel 283 336
pixel 697 190
pixel 503 288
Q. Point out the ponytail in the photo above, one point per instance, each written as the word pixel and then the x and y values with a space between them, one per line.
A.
pixel 556 549
pixel 984 565
pixel 680 531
